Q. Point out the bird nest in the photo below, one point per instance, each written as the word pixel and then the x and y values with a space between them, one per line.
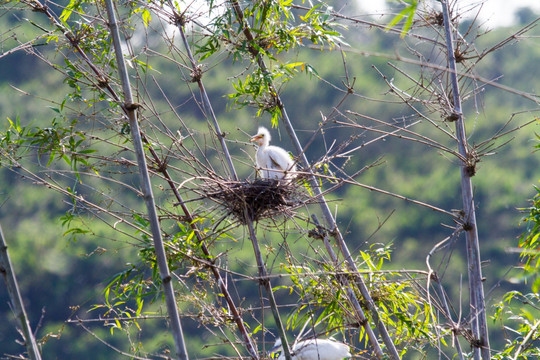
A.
pixel 253 200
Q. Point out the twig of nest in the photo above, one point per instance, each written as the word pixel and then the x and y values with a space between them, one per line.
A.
pixel 253 200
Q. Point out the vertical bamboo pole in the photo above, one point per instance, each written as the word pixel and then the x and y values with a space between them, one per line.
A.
pixel 250 345
pixel 479 328
pixel 263 274
pixel 130 109
pixel 350 292
pixel 338 237
pixel 391 348
pixel 265 281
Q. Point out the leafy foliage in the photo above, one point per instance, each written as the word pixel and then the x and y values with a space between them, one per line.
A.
pixel 325 301
pixel 55 141
pixel 529 241
pixel 275 29
pixel 521 310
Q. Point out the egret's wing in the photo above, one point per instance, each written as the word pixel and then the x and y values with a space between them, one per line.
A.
pixel 320 349
pixel 279 158
pixel 308 350
pixel 275 164
pixel 276 161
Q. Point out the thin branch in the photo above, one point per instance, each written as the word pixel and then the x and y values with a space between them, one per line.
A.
pixel 491 82
pixel 265 282
pixel 348 288
pixel 197 76
pixel 434 276
pixel 8 273
pixel 526 339
pixel 417 137
pixel 117 318
pixel 123 353
pixel 252 349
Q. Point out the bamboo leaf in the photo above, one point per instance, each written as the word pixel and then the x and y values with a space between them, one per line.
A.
pixel 146 16
pixel 408 14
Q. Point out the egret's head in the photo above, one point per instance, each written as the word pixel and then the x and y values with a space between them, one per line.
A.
pixel 262 137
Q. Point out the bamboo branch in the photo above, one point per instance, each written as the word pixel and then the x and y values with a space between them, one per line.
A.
pixel 161 256
pixel 435 277
pixel 110 346
pixel 527 338
pixel 206 99
pixel 6 268
pixel 265 281
pixel 514 37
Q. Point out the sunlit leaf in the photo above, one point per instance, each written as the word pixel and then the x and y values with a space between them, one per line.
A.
pixel 408 14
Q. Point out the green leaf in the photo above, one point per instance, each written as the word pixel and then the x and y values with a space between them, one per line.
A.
pixel 257 329
pixel 66 14
pixel 408 14
pixel 146 17
pixel 73 5
pixel 87 151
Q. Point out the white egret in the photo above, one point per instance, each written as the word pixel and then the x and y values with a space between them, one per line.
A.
pixel 272 161
pixel 314 349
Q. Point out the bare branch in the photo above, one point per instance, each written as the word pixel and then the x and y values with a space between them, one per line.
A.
pixel 8 273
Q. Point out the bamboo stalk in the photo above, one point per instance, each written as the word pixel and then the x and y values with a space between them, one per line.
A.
pixel 393 353
pixel 480 344
pixel 6 268
pixel 528 337
pixel 263 274
pixel 207 103
pixel 130 109
pixel 250 345
pixel 350 293
pixel 265 281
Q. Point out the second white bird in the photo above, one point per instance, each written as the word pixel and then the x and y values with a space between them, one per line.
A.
pixel 315 349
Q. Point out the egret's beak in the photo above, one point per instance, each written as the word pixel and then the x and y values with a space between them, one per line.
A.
pixel 255 138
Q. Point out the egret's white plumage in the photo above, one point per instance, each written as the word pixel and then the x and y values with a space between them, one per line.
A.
pixel 315 349
pixel 272 161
